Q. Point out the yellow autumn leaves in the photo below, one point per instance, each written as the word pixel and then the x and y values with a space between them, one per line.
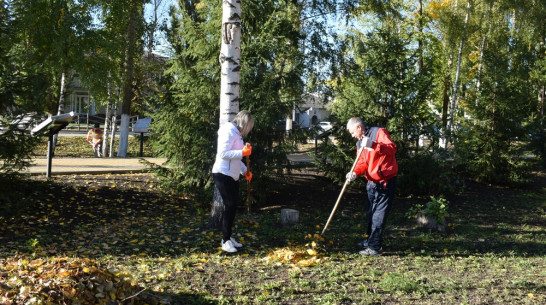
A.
pixel 306 256
pixel 69 279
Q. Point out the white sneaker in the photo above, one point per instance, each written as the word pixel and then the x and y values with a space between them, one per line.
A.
pixel 235 243
pixel 228 246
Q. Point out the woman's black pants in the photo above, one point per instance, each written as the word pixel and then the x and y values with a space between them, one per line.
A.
pixel 229 190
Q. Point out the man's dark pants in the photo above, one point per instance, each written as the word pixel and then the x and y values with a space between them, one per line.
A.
pixel 380 197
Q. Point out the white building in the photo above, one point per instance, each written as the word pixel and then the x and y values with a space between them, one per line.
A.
pixel 80 99
pixel 312 110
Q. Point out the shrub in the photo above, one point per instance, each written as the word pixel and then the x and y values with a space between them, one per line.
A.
pixel 486 156
pixel 436 207
pixel 427 174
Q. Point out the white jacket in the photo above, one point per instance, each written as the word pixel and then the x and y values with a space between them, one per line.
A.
pixel 229 153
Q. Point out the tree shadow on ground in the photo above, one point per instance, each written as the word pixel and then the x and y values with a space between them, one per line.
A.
pixel 123 215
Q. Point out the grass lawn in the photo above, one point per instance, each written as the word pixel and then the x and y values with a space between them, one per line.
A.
pixel 116 239
pixel 76 146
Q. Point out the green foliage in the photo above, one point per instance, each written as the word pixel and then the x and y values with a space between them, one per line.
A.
pixel 270 82
pixel 401 283
pixel 23 83
pixel 382 84
pixel 399 75
pixel 421 174
pixel 187 123
pixel 488 146
pixel 436 207
pixel 16 147
pixel 427 174
pixel 335 159
pixel 377 80
pixel 537 121
pixel 50 38
pixel 486 156
pixel 32 244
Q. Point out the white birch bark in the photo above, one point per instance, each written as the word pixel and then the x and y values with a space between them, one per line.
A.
pixel 128 93
pixel 230 60
pixel 480 66
pixel 123 135
pixel 288 124
pixel 112 139
pixel 60 109
pixel 106 126
pixel 458 74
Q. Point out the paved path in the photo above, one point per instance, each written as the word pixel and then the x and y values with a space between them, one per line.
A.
pixel 63 166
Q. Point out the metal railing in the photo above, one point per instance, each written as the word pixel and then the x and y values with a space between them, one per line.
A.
pixel 85 121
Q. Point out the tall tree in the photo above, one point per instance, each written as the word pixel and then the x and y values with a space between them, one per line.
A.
pixel 21 91
pixel 502 107
pixel 382 81
pixel 132 54
pixel 230 60
pixel 271 69
pixel 55 35
pixel 458 72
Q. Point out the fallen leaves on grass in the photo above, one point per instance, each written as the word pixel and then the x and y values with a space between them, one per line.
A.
pixel 63 281
pixel 307 256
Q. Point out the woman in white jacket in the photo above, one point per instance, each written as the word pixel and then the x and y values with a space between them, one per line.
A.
pixel 227 168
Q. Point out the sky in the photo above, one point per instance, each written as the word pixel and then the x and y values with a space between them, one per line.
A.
pixel 162 46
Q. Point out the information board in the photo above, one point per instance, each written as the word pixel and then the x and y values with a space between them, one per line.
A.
pixel 142 125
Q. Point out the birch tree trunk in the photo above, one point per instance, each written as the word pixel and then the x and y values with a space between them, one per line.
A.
pixel 457 75
pixel 480 66
pixel 420 40
pixel 123 135
pixel 60 109
pixel 128 92
pixel 230 61
pixel 541 100
pixel 106 126
pixel 112 139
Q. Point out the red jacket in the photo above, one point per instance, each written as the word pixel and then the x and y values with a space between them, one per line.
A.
pixel 378 164
pixel 94 135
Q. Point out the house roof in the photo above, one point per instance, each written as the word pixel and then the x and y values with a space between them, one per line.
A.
pixel 314 100
pixel 154 56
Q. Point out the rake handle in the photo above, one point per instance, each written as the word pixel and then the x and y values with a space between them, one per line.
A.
pixel 342 191
pixel 248 185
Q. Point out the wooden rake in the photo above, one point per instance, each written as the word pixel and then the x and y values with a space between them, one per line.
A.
pixel 248 185
pixel 342 191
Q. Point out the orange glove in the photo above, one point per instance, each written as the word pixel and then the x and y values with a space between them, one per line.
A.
pixel 247 150
pixel 248 176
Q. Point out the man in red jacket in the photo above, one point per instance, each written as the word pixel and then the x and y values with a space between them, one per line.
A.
pixel 377 163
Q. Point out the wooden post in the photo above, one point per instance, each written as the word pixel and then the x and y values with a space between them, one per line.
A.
pixel 248 185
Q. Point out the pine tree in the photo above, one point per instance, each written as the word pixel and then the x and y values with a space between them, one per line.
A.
pixel 270 81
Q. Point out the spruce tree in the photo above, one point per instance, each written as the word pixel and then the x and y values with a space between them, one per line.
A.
pixel 271 68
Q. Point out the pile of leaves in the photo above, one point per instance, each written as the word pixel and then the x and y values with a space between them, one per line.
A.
pixel 297 257
pixel 64 281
